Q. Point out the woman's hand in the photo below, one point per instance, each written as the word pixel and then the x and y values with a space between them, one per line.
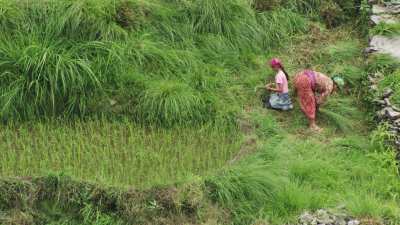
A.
pixel 269 86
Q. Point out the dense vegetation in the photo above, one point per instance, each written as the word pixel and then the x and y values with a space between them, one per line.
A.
pixel 159 95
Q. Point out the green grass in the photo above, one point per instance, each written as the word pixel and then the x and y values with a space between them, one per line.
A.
pixel 175 81
pixel 303 171
pixel 386 29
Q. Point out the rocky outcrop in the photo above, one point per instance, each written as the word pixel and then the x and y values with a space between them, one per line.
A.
pixel 388 13
pixel 326 217
pixel 386 45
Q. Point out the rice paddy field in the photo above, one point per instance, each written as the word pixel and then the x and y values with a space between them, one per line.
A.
pixel 115 152
pixel 147 112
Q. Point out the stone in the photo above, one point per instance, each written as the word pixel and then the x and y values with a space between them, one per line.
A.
pixel 306 218
pixel 372 2
pixel 324 217
pixel 386 45
pixel 353 222
pixel 381 114
pixel 392 3
pixel 388 9
pixel 384 18
pixel 387 102
pixel 391 114
pixel 372 80
pixel 387 92
pixel 369 50
pixel 397 122
pixel 113 102
pixel 374 87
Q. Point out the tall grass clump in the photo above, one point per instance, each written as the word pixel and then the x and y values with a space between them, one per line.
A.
pixel 234 20
pixel 89 52
pixel 386 29
pixel 342 113
pixel 280 26
pixel 245 189
pixel 382 63
pixel 343 51
pixel 43 78
pixel 169 103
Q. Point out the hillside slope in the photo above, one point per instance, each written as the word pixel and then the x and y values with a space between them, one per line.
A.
pixel 144 112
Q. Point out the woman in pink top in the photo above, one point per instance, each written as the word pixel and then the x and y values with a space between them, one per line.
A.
pixel 280 99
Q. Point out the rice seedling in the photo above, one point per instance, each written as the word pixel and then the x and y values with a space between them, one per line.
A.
pixel 115 152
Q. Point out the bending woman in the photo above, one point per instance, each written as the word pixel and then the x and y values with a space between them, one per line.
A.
pixel 313 89
pixel 280 99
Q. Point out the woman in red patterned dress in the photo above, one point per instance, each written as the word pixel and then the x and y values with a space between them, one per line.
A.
pixel 313 89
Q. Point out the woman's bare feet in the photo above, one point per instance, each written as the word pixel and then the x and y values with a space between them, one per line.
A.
pixel 314 127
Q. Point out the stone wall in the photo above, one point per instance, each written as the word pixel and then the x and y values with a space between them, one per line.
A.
pixel 385 12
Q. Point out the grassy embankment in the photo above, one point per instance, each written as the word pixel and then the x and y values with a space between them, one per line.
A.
pixel 174 90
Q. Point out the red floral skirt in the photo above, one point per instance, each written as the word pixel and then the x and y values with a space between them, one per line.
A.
pixel 306 95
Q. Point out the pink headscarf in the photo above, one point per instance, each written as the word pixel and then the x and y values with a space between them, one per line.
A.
pixel 275 62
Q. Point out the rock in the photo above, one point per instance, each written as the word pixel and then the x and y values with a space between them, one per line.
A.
pixel 353 222
pixel 372 80
pixel 113 102
pixel 387 92
pixel 372 2
pixel 381 114
pixel 392 4
pixel 387 102
pixel 391 114
pixel 386 45
pixel 388 9
pixel 369 50
pixel 384 18
pixel 374 87
pixel 307 218
pixel 323 217
pixel 397 122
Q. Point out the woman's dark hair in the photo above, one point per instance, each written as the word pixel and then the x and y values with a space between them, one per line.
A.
pixel 286 74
